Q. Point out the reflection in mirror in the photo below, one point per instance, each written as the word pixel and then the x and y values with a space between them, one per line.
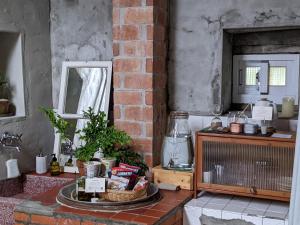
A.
pixel 66 148
pixel 85 88
pixel 73 91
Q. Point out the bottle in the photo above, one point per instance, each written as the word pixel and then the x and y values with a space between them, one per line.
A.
pixel 69 162
pixel 54 166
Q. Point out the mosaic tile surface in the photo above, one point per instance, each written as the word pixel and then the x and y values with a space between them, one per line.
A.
pixel 20 189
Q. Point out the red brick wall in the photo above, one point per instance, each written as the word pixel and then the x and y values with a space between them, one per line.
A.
pixel 140 74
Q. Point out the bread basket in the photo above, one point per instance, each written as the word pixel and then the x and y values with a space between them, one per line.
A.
pixel 123 196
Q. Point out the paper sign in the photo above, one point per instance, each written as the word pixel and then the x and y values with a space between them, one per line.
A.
pixel 93 185
pixel 262 113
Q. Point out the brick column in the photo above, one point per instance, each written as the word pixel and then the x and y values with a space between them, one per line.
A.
pixel 139 73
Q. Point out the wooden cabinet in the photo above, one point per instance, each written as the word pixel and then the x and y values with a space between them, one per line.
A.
pixel 243 165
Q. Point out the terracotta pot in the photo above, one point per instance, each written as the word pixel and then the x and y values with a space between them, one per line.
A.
pixel 4 106
pixel 80 165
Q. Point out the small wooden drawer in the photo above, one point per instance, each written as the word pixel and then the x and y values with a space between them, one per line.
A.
pixel 183 179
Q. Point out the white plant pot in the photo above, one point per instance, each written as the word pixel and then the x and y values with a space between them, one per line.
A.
pixel 92 168
pixel 109 163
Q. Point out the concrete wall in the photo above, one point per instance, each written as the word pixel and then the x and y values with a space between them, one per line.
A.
pixel 196 44
pixel 31 18
pixel 265 42
pixel 81 30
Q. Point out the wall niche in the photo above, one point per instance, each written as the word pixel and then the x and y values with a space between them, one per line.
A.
pixel 253 41
pixel 12 103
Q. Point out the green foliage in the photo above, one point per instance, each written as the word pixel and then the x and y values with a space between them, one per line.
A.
pixel 128 156
pixel 56 121
pixel 98 135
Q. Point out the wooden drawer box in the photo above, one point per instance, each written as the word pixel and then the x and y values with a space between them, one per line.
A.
pixel 251 166
pixel 183 179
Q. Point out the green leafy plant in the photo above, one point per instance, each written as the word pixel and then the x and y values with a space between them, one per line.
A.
pixel 57 122
pixel 97 134
pixel 128 156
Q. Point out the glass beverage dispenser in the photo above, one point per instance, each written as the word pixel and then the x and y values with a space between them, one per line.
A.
pixel 177 149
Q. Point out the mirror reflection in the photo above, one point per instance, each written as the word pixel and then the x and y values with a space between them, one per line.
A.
pixel 85 88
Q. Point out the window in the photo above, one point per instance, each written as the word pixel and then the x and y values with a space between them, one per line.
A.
pixel 277 76
pixel 273 76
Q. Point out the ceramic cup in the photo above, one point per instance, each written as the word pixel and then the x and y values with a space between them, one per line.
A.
pixel 263 129
pixel 41 167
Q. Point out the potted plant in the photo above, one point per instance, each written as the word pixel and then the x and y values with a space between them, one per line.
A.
pixel 98 135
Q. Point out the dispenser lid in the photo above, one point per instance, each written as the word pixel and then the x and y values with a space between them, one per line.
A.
pixel 54 158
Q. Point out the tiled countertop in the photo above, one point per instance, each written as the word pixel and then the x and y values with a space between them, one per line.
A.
pixel 227 207
pixel 44 207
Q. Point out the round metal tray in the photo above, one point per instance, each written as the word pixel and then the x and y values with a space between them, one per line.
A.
pixel 66 198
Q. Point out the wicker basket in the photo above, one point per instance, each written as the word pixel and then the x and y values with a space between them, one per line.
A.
pixel 123 196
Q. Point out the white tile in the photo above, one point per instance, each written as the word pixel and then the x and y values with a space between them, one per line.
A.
pixel 214 206
pixel 254 212
pixel 259 204
pixel 195 122
pixel 240 201
pixel 275 215
pixel 286 222
pixel 206 121
pixel 253 219
pixel 234 208
pixel 191 215
pixel 279 207
pixel 200 204
pixel 268 221
pixel 212 212
pixel 227 215
pixel 192 202
pixel 220 199
pixel 205 196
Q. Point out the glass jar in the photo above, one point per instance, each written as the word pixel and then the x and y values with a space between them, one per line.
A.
pixel 288 107
pixel 177 149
